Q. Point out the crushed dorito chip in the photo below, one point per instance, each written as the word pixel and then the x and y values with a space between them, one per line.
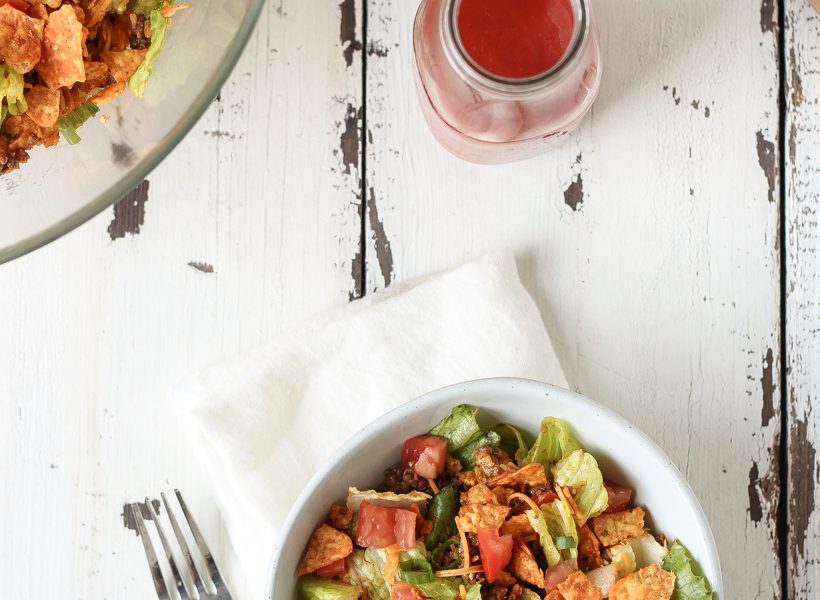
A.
pixel 504 580
pixel 61 64
pixel 340 516
pixel 43 105
pixel 325 547
pixel 531 474
pixel 554 595
pixel 578 587
pixel 109 93
pixel 650 583
pixel 472 517
pixel 517 526
pixel 524 566
pixel 123 64
pixel 613 528
pixel 20 39
pixel 589 549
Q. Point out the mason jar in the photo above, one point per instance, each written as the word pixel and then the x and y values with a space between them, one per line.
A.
pixel 500 81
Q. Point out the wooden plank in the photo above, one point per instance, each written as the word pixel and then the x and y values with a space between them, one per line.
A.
pixel 803 295
pixel 649 240
pixel 248 227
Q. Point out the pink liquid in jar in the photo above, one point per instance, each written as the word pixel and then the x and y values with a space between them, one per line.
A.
pixel 501 80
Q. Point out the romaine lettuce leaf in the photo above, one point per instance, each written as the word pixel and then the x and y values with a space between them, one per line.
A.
pixel 143 7
pixel 646 550
pixel 366 568
pixel 688 585
pixel 558 517
pixel 474 592
pixel 458 427
pixel 555 442
pixel 512 442
pixel 139 79
pixel 441 589
pixel 551 552
pixel 442 512
pixel 525 595
pixel 482 438
pixel 312 587
pixel 623 557
pixel 580 467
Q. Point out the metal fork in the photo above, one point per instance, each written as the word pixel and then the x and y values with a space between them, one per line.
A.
pixel 188 581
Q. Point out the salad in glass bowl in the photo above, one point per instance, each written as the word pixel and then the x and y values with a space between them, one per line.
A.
pixel 470 513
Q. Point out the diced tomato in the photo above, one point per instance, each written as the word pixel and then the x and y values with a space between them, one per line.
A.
pixel 558 573
pixel 542 497
pixel 18 4
pixel 495 551
pixel 376 527
pixel 405 528
pixel 405 591
pixel 333 569
pixel 427 454
pixel 619 496
pixel 380 527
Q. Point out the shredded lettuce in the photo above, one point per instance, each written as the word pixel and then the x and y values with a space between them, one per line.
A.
pixel 458 427
pixel 474 592
pixel 688 585
pixel 551 552
pixel 623 557
pixel 646 550
pixel 366 568
pixel 442 512
pixel 12 93
pixel 355 497
pixel 525 595
pixel 577 468
pixel 512 442
pixel 560 524
pixel 69 123
pixel 139 79
pixel 316 588
pixel 555 442
pixel 140 7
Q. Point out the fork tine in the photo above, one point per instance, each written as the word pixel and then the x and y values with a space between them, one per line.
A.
pixel 200 582
pixel 183 577
pixel 160 583
pixel 213 571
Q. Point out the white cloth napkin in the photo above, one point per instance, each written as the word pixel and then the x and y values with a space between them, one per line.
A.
pixel 264 422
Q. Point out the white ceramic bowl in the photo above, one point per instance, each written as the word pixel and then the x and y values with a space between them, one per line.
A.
pixel 624 453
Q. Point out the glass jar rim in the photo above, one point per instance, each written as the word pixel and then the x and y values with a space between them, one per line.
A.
pixel 465 63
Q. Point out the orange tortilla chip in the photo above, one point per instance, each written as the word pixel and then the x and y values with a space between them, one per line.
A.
pixel 123 64
pixel 473 517
pixel 94 11
pixel 589 549
pixel 554 595
pixel 21 38
pixel 340 516
pixel 97 75
pixel 325 547
pixel 61 64
pixel 517 526
pixel 578 587
pixel 531 474
pixel 43 105
pixel 524 566
pixel 613 528
pixel 108 94
pixel 650 583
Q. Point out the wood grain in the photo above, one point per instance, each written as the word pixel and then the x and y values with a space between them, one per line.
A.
pixel 803 295
pixel 250 226
pixel 649 240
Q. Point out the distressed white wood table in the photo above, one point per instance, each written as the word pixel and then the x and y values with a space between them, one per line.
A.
pixel 672 244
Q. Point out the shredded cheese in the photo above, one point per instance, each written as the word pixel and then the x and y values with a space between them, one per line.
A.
pixel 433 486
pixel 570 500
pixel 462 591
pixel 459 572
pixel 391 565
pixel 524 498
pixel 465 549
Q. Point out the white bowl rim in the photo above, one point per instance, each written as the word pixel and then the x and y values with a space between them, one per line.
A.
pixel 396 415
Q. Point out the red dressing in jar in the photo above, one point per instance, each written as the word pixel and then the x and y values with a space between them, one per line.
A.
pixel 515 39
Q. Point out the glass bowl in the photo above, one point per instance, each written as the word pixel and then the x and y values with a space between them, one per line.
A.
pixel 61 187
